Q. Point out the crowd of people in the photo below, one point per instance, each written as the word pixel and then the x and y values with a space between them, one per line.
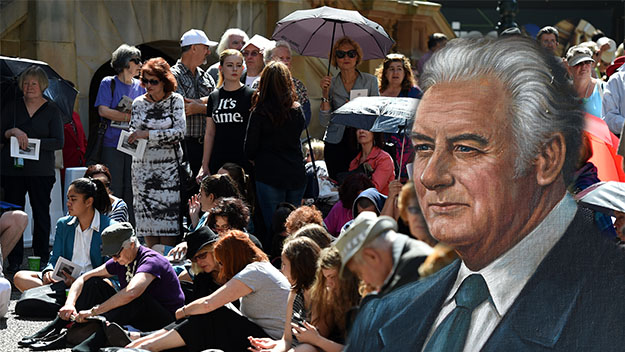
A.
pixel 463 236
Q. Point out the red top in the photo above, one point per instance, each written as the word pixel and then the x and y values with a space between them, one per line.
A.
pixel 383 168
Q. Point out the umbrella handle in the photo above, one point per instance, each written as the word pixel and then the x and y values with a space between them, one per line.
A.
pixel 331 46
pixel 401 156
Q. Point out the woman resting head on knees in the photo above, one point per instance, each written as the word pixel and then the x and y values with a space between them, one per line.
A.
pixel 87 202
pixel 373 160
pixel 299 264
pixel 207 323
pixel 230 213
pixel 204 268
pixel 410 212
pixel 273 143
pixel 335 92
pixel 332 296
pixel 302 216
pixel 119 208
pixel 396 79
pixel 212 188
pixel 341 212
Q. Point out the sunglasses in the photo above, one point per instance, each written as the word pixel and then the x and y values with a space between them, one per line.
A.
pixel 153 82
pixel 341 54
pixel 136 60
pixel 200 256
pixel 250 53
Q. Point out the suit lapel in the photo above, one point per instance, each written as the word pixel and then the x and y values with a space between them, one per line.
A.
pixel 548 300
pixel 430 294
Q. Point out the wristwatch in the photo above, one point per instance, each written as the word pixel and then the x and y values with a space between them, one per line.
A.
pixel 325 100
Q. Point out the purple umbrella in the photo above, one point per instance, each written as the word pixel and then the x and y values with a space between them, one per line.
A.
pixel 313 32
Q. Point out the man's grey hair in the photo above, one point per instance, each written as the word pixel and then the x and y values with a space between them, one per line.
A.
pixel 223 42
pixel 133 239
pixel 542 99
pixel 279 44
pixel 382 242
pixel 548 30
pixel 122 55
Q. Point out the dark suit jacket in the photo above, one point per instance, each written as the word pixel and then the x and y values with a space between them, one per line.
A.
pixel 575 301
pixel 407 270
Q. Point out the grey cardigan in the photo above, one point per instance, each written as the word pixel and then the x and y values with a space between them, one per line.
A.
pixel 338 97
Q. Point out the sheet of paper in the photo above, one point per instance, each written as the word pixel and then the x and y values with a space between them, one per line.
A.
pixel 69 267
pixel 31 152
pixel 135 149
pixel 355 93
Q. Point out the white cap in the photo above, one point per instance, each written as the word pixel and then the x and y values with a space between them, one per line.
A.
pixel 608 55
pixel 258 41
pixel 195 36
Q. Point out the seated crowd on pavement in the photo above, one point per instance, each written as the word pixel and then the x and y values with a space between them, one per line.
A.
pixel 408 242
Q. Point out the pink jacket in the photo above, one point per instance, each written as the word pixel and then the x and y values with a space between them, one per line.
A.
pixel 383 168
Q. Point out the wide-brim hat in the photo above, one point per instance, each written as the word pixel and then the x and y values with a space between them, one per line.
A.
pixel 114 236
pixel 258 41
pixel 199 238
pixel 366 227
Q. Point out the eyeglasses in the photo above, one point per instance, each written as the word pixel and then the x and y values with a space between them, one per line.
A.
pixel 221 228
pixel 200 256
pixel 341 54
pixel 414 209
pixel 253 53
pixel 153 82
pixel 136 60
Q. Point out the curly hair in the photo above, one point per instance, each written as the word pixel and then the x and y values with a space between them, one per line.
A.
pixel 351 188
pixel 159 68
pixel 234 252
pixel 302 216
pixel 231 208
pixel 380 72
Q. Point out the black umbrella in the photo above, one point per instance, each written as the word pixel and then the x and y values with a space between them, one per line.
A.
pixel 378 114
pixel 313 32
pixel 58 91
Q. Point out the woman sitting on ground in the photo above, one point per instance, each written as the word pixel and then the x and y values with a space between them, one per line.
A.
pixel 373 161
pixel 206 323
pixel 299 264
pixel 341 212
pixel 203 270
pixel 77 236
pixel 230 213
pixel 119 208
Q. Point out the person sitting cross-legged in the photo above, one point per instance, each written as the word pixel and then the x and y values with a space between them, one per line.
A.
pixel 149 296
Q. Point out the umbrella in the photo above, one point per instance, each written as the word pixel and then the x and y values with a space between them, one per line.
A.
pixel 604 197
pixel 313 32
pixel 378 114
pixel 58 91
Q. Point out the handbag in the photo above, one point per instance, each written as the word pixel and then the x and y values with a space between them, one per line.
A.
pixel 94 150
pixel 42 302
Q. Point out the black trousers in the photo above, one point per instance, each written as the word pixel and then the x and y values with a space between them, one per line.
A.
pixel 222 329
pixel 38 189
pixel 194 151
pixel 338 156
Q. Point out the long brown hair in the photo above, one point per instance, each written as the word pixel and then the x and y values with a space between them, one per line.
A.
pixel 234 252
pixel 303 254
pixel 276 94
pixel 380 72
pixel 328 307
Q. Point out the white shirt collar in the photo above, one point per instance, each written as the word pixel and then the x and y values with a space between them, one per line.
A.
pixel 505 284
pixel 95 223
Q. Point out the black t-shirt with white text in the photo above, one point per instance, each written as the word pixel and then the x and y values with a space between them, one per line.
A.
pixel 230 110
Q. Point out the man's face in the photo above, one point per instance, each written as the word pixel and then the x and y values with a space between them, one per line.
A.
pixel 201 52
pixel 253 57
pixel 549 41
pixel 370 268
pixel 464 168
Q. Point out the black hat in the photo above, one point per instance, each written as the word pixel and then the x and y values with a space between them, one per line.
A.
pixel 198 239
pixel 114 236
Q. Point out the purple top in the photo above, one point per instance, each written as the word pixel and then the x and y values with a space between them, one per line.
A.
pixel 337 217
pixel 104 98
pixel 165 288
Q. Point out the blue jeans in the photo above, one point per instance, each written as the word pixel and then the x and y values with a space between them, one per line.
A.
pixel 268 199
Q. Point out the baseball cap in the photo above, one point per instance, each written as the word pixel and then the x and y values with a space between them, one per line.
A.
pixel 113 237
pixel 366 227
pixel 578 54
pixel 195 36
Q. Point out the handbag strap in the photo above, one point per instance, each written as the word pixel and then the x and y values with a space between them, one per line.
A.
pixel 310 150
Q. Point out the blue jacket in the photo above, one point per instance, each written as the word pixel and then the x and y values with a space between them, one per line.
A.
pixel 64 241
pixel 572 302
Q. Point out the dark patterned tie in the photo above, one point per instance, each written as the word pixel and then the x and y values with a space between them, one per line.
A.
pixel 451 334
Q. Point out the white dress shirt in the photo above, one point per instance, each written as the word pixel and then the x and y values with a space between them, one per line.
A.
pixel 82 242
pixel 507 275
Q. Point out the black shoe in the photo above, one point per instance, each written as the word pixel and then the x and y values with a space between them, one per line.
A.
pixel 116 335
pixel 55 343
pixel 47 332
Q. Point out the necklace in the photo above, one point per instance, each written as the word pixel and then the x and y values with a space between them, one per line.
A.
pixel 155 100
pixel 130 270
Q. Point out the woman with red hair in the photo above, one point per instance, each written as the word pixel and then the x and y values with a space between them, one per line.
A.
pixel 157 116
pixel 209 322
